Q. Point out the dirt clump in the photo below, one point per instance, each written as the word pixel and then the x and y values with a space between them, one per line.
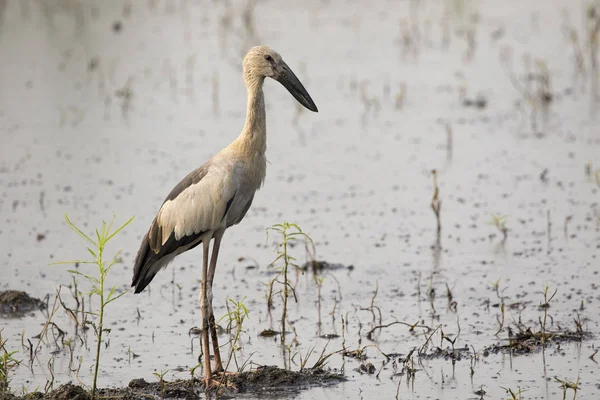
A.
pixel 270 378
pixel 526 341
pixel 320 266
pixel 264 380
pixel 15 304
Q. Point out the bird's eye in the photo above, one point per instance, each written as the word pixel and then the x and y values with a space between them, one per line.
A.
pixel 269 58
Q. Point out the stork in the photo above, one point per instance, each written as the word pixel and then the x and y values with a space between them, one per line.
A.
pixel 217 195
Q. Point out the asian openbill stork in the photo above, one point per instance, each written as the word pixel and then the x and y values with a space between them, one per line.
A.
pixel 218 194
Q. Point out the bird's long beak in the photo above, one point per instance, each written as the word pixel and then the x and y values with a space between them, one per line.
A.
pixel 289 80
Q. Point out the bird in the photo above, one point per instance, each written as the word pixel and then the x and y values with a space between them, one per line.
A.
pixel 217 195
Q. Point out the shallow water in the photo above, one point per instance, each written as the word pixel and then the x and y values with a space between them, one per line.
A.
pixel 103 108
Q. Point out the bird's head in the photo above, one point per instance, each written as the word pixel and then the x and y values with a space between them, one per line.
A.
pixel 263 61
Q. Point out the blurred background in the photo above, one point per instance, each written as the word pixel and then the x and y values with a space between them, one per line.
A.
pixel 106 105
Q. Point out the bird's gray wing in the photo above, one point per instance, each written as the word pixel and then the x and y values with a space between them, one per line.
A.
pixel 195 206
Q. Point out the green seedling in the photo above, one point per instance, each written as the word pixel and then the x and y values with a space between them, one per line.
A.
pixel 7 364
pixel 322 360
pixel 31 394
pixel 236 316
pixel 514 395
pixel 290 233
pixel 567 384
pixel 161 381
pixel 545 305
pixel 96 250
pixel 193 371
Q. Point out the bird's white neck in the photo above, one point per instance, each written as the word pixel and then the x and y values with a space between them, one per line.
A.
pixel 254 134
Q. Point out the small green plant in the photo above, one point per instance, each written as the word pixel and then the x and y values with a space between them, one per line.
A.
pixel 514 395
pixel 31 394
pixel 566 384
pixel 7 364
pixel 544 306
pixel 96 249
pixel 161 381
pixel 193 371
pixel 290 233
pixel 236 316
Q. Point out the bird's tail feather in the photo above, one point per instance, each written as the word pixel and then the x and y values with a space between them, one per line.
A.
pixel 148 262
pixel 142 270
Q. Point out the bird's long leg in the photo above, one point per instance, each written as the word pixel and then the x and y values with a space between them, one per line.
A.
pixel 204 308
pixel 218 235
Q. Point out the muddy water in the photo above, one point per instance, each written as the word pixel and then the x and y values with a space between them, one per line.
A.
pixel 103 108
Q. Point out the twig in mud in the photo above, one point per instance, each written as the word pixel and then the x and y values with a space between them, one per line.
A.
pixel 373 307
pixel 48 323
pixel 578 324
pixel 423 348
pixel 474 360
pixel 436 204
pixel 452 304
pixel 375 294
pixel 70 313
pixel 245 363
pixel 431 294
pixel 50 383
pixel 500 319
pixel 594 355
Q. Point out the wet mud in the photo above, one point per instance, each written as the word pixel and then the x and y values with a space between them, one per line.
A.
pixel 261 382
pixel 16 304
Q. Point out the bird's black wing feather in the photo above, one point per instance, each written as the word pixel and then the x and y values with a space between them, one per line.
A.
pixel 143 271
